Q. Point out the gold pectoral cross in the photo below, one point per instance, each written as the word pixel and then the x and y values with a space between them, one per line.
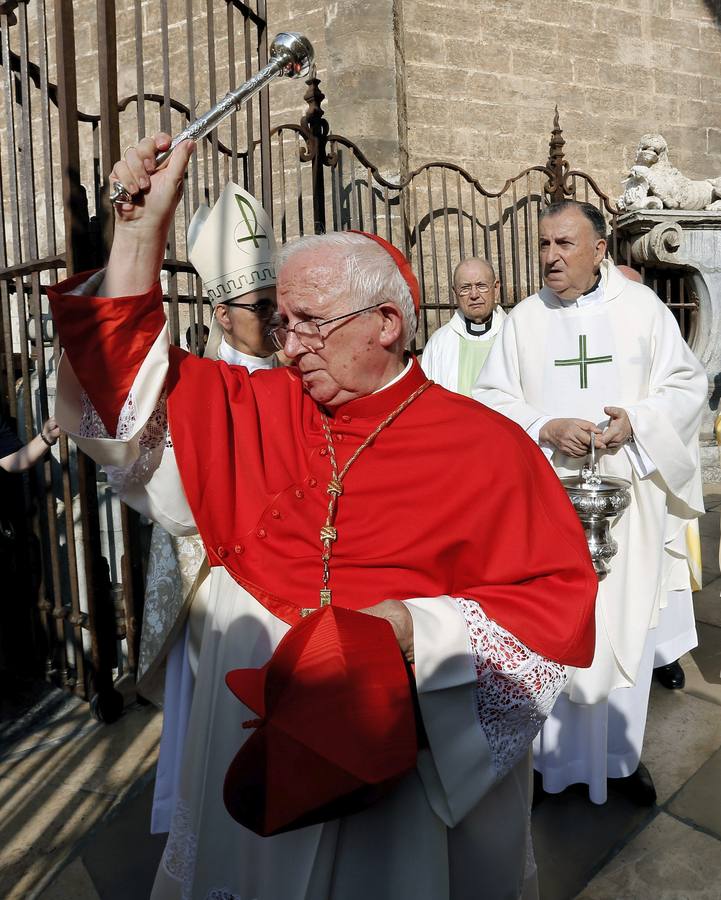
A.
pixel 325 600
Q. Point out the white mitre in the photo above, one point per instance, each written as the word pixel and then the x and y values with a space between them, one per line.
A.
pixel 232 248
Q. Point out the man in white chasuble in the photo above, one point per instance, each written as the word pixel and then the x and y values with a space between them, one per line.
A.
pixel 594 354
pixel 455 353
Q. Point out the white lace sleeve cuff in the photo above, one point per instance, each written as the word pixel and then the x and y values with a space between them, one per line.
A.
pixel 516 688
pixel 139 459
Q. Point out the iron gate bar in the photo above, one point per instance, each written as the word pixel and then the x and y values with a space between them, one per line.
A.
pixel 193 170
pixel 73 200
pixel 266 163
pixel 530 244
pixel 8 401
pixel 474 225
pixel 460 222
pixel 77 618
pixel 110 130
pixel 446 230
pixel 386 212
pixel 139 72
pixel 43 507
pixel 515 253
pixel 281 175
pixel 213 93
pixel 231 87
pixel 46 127
pixel 76 227
pixel 10 151
pixel 258 19
pixel 250 174
pixel 299 186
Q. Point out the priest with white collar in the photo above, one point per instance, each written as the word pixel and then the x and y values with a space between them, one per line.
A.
pixel 456 352
pixel 594 354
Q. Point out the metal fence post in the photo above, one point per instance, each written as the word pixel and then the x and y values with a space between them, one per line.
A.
pixel 109 114
pixel 314 127
pixel 107 702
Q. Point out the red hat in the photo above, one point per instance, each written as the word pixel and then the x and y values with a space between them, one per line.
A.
pixel 337 728
pixel 403 265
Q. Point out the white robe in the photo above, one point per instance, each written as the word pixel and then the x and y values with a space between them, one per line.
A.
pixel 176 600
pixel 596 729
pixel 441 354
pixel 655 377
pixel 457 824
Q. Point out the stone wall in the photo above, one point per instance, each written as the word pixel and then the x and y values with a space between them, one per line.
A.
pixel 473 81
pixel 483 77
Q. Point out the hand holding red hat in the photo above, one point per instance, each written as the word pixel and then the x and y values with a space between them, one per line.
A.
pixel 396 612
pixel 337 726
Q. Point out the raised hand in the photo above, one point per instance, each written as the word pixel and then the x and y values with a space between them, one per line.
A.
pixel 156 191
pixel 141 228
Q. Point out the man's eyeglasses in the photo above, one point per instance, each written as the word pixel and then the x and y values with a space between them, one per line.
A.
pixel 308 333
pixel 465 289
pixel 259 308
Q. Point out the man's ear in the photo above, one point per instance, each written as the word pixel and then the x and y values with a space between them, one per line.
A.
pixel 601 245
pixel 221 314
pixel 392 327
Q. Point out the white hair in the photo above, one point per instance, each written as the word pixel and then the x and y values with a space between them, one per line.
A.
pixel 371 273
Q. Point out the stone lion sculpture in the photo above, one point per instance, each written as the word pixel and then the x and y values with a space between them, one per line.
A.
pixel 653 183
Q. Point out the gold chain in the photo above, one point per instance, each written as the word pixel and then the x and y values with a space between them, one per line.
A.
pixel 329 533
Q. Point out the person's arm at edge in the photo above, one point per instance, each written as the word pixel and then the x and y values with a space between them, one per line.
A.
pixel 26 457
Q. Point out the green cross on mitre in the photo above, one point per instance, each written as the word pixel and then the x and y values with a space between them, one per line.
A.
pixel 583 361
pixel 254 231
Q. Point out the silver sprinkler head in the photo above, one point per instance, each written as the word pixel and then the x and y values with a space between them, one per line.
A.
pixel 295 51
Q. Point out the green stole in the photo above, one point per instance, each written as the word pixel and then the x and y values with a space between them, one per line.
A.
pixel 471 356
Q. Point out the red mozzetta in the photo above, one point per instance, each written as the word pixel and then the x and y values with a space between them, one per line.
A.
pixel 452 498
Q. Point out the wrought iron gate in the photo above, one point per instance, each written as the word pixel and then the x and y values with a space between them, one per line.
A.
pixel 65 120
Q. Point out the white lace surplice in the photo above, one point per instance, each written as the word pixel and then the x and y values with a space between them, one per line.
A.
pixel 516 687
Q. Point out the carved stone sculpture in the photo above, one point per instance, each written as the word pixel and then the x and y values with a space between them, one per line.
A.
pixel 653 183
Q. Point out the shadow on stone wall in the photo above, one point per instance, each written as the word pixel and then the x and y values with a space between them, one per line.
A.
pixel 714 6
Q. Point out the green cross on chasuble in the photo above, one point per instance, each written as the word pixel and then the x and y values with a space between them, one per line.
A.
pixel 583 361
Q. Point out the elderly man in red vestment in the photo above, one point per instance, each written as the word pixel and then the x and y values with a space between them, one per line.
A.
pixel 347 478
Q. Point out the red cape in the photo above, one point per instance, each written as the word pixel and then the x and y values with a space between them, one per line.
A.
pixel 452 498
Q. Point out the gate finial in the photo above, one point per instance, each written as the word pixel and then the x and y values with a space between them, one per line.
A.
pixel 314 127
pixel 557 164
pixel 313 123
